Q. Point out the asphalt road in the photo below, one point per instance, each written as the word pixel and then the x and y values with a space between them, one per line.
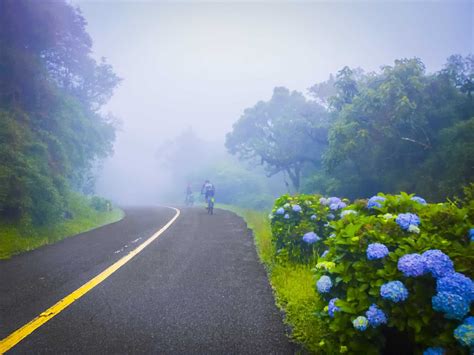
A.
pixel 198 288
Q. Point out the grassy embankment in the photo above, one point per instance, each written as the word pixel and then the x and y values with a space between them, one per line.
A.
pixel 16 238
pixel 293 285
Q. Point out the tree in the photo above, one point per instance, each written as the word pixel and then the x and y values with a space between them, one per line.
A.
pixel 284 134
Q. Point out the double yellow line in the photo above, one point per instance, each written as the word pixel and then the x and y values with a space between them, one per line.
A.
pixel 21 333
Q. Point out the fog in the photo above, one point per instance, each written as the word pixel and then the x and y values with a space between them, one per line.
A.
pixel 199 65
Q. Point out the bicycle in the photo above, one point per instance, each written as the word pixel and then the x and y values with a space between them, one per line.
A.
pixel 210 205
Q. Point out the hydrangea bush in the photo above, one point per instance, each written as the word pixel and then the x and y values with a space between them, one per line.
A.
pixel 393 266
pixel 300 224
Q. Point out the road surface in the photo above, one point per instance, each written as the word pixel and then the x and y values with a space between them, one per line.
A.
pixel 197 288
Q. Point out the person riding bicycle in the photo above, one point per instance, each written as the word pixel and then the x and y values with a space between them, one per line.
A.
pixel 189 195
pixel 208 190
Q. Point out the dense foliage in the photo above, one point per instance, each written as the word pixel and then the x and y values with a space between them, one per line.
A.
pixel 51 89
pixel 398 129
pixel 393 271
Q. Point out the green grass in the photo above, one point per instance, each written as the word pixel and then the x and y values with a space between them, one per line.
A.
pixel 293 284
pixel 16 238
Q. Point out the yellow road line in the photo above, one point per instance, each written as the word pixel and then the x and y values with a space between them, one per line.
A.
pixel 21 333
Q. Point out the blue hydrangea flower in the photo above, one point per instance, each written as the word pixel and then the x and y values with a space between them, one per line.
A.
pixel 337 205
pixel 457 284
pixel 438 263
pixel 411 265
pixel 375 316
pixel 286 216
pixel 469 320
pixel 281 210
pixel 464 334
pixel 471 234
pixel 394 291
pixel 313 217
pixel 360 323
pixel 296 208
pixel 324 284
pixel 324 253
pixel 311 237
pixel 419 200
pixel 347 212
pixel 453 306
pixel 323 201
pixel 375 201
pixel 434 351
pixel 376 251
pixel 331 216
pixel 332 308
pixel 405 220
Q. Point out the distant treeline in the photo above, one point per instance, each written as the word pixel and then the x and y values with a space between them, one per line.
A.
pixel 51 90
pixel 399 129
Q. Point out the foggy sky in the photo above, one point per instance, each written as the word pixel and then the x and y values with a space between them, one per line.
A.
pixel 201 64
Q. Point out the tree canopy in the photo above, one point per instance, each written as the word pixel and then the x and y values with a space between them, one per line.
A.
pixel 51 92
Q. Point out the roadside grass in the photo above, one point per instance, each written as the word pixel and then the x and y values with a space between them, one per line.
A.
pixel 16 238
pixel 293 285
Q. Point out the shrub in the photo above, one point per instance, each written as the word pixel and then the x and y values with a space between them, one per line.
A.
pixel 394 267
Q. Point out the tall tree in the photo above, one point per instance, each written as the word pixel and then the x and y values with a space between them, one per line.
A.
pixel 284 134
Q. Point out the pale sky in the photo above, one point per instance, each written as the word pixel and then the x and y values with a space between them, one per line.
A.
pixel 201 64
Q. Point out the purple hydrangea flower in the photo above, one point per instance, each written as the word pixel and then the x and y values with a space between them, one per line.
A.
pixel 394 291
pixel 332 308
pixel 281 210
pixel 286 216
pixel 337 205
pixel 419 200
pixel 311 237
pixel 405 220
pixel 313 217
pixel 434 351
pixel 360 323
pixel 411 265
pixel 464 334
pixel 376 251
pixel 458 284
pixel 375 201
pixel 453 306
pixel 296 208
pixel 438 263
pixel 375 316
pixel 324 284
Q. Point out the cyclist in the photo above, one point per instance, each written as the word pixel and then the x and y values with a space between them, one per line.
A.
pixel 208 190
pixel 189 195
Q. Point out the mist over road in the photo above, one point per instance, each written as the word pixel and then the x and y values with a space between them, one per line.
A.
pixel 198 288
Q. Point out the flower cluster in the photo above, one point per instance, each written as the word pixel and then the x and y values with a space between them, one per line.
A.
pixel 311 238
pixel 347 212
pixel 419 199
pixel 360 323
pixel 394 291
pixel 324 284
pixel 281 210
pixel 296 208
pixel 313 217
pixel 375 201
pixel 458 284
pixel 376 251
pixel 286 216
pixel 471 234
pixel 375 316
pixel 405 220
pixel 332 308
pixel 453 306
pixel 464 334
pixel 411 265
pixel 438 263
